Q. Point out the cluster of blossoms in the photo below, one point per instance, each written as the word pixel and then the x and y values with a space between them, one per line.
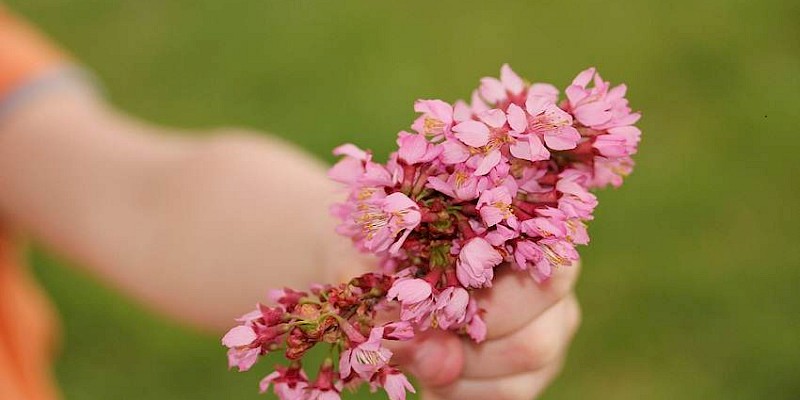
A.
pixel 502 180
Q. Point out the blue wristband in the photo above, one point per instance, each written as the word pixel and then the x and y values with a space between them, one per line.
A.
pixel 55 79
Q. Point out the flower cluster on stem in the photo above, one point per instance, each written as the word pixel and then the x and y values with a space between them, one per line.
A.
pixel 502 181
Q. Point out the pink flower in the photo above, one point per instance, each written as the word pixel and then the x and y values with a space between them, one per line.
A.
pixel 476 262
pixel 494 206
pixel 551 222
pixel 487 137
pixel 356 168
pixel 451 305
pixel 415 149
pixel 559 252
pixel 472 133
pixel 395 384
pixel 610 171
pixel 350 168
pixel 239 336
pixel 436 119
pixel 551 123
pixel 453 152
pixel 525 253
pixel 317 394
pixel 400 330
pixel 382 219
pixel 326 386
pixel 366 358
pixel 243 358
pixel 476 327
pixel 610 145
pixel 409 290
pixel 542 92
pixel 501 235
pixel 290 383
pixel 629 137
pixel 599 107
pixel 495 91
pixel 540 123
pixel 576 201
pixel 242 350
pixel 576 231
pixel 415 296
pixel 462 184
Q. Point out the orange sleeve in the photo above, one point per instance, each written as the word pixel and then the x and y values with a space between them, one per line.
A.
pixel 28 325
pixel 24 53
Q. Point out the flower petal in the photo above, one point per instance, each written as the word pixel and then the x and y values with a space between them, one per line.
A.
pixel 472 133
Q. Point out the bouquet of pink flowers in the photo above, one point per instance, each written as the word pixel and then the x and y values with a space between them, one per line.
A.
pixel 501 182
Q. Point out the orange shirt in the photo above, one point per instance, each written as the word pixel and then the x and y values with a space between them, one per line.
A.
pixel 27 321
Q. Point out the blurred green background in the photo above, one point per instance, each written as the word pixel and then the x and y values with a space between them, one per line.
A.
pixel 689 288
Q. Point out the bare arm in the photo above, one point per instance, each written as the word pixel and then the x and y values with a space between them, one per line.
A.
pixel 199 228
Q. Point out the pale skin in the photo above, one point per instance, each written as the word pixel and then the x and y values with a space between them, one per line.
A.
pixel 200 228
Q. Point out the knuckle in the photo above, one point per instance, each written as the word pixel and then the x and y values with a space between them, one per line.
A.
pixel 574 316
pixel 562 283
pixel 537 349
pixel 522 388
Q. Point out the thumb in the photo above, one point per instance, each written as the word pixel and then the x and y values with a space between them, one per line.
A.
pixel 435 358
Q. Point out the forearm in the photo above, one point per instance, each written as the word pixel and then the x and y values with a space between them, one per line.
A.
pixel 198 228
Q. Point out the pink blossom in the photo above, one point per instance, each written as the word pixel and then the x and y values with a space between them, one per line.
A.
pixel 576 231
pixel 243 358
pixel 415 149
pixel 382 219
pixel 396 384
pixel 242 352
pixel 599 107
pixel 611 145
pixel 476 262
pixel 495 90
pixel 542 92
pixel 410 290
pixel 494 206
pixel 356 168
pixel 576 201
pixel 317 394
pixel 239 336
pixel 559 252
pixel 610 171
pixel 366 358
pixel 476 327
pixel 400 330
pixel 472 133
pixel 501 235
pixel 485 161
pixel 289 383
pixel 553 124
pixel 350 168
pixel 326 386
pixel 462 184
pixel 630 134
pixel 453 152
pixel 551 222
pixel 451 305
pixel 436 119
pixel 526 252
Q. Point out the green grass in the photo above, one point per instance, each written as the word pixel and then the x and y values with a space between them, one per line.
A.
pixel 690 284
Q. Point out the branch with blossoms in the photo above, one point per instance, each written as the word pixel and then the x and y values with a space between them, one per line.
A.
pixel 501 182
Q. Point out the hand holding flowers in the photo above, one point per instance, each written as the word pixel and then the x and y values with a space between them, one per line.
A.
pixel 476 197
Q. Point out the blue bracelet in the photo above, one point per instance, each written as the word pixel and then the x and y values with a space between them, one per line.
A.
pixel 57 78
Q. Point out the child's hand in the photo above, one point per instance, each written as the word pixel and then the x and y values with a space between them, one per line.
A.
pixel 530 327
